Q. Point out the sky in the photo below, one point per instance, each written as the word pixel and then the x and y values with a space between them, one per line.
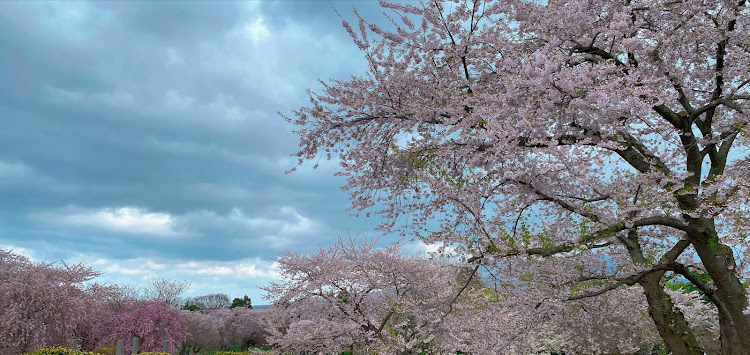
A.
pixel 143 139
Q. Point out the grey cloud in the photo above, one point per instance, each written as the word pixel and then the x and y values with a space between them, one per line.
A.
pixel 169 107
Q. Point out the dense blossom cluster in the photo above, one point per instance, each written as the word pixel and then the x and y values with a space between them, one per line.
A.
pixel 223 328
pixel 153 323
pixel 354 296
pixel 575 147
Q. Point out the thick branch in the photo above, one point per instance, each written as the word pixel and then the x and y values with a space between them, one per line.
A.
pixel 648 221
pixel 630 281
pixel 598 52
pixel 546 197
pixel 675 120
pixel 671 255
pixel 705 288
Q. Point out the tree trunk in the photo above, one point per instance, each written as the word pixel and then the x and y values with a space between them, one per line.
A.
pixel 730 297
pixel 671 323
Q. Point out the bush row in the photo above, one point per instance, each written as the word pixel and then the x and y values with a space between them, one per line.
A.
pixel 64 351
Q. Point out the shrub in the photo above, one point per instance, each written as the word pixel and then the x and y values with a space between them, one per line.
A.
pixel 60 351
pixel 63 351
pixel 106 349
pixel 230 353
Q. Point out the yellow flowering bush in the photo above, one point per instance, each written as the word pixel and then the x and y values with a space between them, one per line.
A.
pixel 61 351
pixel 107 349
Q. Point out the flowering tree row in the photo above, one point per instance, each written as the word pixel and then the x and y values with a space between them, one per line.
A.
pixel 577 145
pixel 43 304
pixel 356 297
pixel 349 296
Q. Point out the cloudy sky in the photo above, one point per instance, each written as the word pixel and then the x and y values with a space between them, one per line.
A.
pixel 142 138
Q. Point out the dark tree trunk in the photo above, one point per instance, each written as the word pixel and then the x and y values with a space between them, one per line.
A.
pixel 671 324
pixel 729 297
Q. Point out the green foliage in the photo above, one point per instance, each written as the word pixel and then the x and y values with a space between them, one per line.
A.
pixel 191 307
pixel 687 287
pixel 493 297
pixel 241 302
pixel 61 351
pixel 230 353
pixel 150 353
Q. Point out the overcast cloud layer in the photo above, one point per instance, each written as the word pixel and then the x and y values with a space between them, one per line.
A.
pixel 142 137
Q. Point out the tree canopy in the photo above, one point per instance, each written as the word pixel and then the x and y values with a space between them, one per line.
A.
pixel 581 145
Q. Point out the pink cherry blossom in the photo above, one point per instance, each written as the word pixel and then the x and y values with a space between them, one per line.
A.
pixel 578 146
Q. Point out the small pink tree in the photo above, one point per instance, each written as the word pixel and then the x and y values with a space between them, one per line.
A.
pixel 153 324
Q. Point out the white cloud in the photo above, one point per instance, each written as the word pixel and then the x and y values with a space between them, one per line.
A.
pixel 174 56
pixel 18 250
pixel 234 278
pixel 257 30
pixel 127 220
pixel 154 266
pixel 189 264
pixel 126 271
pixel 277 231
pixel 215 270
pixel 175 100
pixel 220 113
pixel 438 250
pixel 242 269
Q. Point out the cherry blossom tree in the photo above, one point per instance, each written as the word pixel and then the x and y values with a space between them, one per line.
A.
pixel 153 323
pixel 223 328
pixel 598 325
pixel 352 295
pixel 580 145
pixel 203 329
pixel 239 326
pixel 44 304
pixel 506 324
